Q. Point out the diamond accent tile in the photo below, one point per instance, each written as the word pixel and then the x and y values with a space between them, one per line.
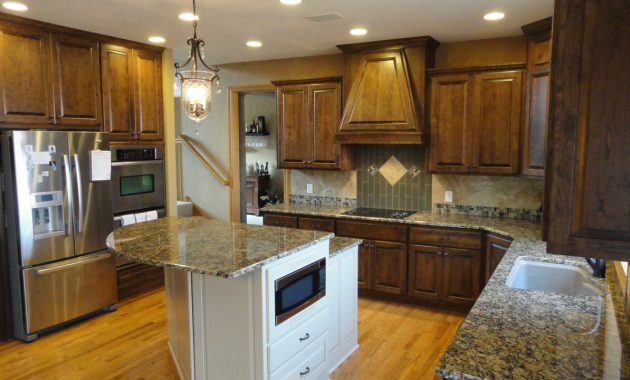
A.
pixel 392 170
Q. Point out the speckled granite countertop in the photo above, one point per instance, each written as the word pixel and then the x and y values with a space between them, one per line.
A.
pixel 339 244
pixel 208 246
pixel 522 334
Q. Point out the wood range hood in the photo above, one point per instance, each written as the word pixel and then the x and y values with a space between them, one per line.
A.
pixel 384 91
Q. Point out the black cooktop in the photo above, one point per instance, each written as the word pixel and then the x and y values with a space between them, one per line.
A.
pixel 380 213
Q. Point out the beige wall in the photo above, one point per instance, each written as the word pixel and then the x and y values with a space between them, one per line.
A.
pixel 491 191
pixel 211 198
pixel 169 133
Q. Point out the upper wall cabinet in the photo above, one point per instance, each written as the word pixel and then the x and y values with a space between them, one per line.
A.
pixel 76 80
pixel 385 91
pixel 26 93
pixel 132 93
pixel 48 78
pixel 587 200
pixel 475 120
pixel 308 115
pixel 536 104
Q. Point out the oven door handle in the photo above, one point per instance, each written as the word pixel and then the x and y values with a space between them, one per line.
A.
pixel 137 163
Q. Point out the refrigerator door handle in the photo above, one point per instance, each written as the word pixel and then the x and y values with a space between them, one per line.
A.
pixel 77 166
pixel 68 172
pixel 91 259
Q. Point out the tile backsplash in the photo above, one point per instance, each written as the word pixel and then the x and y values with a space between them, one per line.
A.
pixel 393 183
pixel 489 211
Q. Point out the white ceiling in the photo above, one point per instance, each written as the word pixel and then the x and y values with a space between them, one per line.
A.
pixel 284 31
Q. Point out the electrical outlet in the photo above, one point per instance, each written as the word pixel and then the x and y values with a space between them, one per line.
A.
pixel 309 188
pixel 448 196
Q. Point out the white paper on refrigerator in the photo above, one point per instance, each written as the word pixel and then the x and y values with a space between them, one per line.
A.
pixel 100 165
pixel 40 158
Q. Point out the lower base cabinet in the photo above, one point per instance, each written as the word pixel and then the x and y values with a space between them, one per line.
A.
pixel 444 274
pixel 496 247
pixel 383 266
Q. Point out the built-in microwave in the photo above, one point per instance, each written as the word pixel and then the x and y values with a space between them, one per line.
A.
pixel 299 289
pixel 137 178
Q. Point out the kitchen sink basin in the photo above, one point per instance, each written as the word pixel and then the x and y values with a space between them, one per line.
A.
pixel 552 277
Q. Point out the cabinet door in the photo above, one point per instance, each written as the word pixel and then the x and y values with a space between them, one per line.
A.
pixel 250 196
pixel 451 128
pixel 462 275
pixel 389 267
pixel 324 113
pixel 118 107
pixel 77 81
pixel 425 272
pixel 588 187
pixel 25 84
pixel 317 224
pixel 498 119
pixel 286 221
pixel 364 278
pixel 293 139
pixel 148 99
pixel 495 250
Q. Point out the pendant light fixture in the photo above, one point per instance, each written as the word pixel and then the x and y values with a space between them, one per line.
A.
pixel 197 84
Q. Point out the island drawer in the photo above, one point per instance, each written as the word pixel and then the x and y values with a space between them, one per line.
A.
pixel 373 231
pixel 318 224
pixel 456 238
pixel 298 339
pixel 310 363
pixel 287 221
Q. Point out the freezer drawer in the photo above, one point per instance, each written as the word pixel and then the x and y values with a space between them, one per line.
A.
pixel 56 293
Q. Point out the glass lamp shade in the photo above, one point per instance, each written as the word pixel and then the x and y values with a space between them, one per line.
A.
pixel 197 94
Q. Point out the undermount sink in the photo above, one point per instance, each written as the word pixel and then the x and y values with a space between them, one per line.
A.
pixel 552 277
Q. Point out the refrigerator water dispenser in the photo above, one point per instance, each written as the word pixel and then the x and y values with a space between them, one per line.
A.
pixel 48 214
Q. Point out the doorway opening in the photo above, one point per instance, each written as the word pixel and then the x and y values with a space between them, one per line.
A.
pixel 257 180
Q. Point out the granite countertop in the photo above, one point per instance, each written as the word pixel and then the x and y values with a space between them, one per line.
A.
pixel 340 244
pixel 212 247
pixel 523 334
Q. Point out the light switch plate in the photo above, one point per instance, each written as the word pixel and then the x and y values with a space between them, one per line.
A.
pixel 309 188
pixel 448 196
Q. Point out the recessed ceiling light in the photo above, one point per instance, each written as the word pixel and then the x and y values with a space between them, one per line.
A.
pixel 13 6
pixel 254 44
pixel 358 32
pixel 493 16
pixel 188 17
pixel 290 2
pixel 157 39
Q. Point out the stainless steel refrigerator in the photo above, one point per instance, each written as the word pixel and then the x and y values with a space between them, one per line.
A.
pixel 59 213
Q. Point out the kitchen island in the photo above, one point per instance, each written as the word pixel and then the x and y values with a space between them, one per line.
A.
pixel 250 302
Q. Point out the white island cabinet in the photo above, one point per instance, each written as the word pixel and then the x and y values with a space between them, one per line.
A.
pixel 229 324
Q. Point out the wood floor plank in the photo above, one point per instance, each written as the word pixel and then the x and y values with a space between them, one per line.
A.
pixel 397 341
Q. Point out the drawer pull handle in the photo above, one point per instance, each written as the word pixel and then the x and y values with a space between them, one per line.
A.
pixel 307 370
pixel 305 337
pixel 445 253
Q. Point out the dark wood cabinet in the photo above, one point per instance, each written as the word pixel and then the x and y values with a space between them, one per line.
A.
pixel 148 99
pixel 26 94
pixel 536 102
pixel 118 98
pixel 132 93
pixel 365 265
pixel 255 187
pixel 317 224
pixel 425 272
pixel 389 267
pixel 475 120
pixel 287 221
pixel 76 80
pixel 461 275
pixel 385 91
pixel 452 131
pixel 308 115
pixel 587 200
pixel 496 246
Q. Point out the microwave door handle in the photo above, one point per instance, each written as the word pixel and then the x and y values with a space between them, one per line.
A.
pixel 77 167
pixel 70 193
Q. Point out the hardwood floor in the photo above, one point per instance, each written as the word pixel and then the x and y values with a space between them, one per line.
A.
pixel 396 342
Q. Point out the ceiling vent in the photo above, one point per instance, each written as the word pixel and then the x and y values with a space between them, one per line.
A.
pixel 324 17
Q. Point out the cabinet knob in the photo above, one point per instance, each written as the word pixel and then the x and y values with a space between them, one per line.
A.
pixel 439 253
pixel 445 253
